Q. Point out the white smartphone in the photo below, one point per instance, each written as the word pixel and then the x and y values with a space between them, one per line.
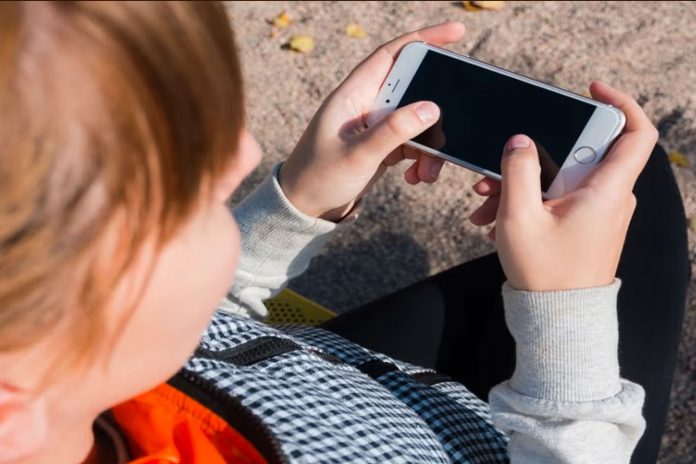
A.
pixel 482 106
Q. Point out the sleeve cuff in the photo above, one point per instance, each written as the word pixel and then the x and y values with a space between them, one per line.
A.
pixel 566 342
pixel 276 235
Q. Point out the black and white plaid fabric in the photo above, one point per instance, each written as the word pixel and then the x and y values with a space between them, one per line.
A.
pixel 328 400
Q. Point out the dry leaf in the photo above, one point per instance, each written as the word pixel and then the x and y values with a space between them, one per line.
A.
pixel 282 20
pixel 692 223
pixel 469 6
pixel 478 6
pixel 356 31
pixel 488 5
pixel 678 159
pixel 302 43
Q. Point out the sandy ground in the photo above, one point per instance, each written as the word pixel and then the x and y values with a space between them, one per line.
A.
pixel 408 233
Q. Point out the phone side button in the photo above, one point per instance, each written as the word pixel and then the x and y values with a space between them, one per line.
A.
pixel 585 155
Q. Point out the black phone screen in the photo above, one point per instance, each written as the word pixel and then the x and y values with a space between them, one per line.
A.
pixel 481 110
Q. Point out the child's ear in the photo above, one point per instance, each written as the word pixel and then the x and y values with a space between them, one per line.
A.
pixel 23 423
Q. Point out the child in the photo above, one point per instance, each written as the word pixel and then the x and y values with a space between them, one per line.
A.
pixel 123 135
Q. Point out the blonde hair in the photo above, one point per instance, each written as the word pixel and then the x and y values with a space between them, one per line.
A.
pixel 111 113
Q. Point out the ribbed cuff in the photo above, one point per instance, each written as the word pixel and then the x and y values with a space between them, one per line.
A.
pixel 276 235
pixel 567 342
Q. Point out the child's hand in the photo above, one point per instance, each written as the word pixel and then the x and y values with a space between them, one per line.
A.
pixel 337 159
pixel 574 241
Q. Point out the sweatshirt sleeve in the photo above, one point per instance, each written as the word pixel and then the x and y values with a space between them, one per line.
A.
pixel 566 402
pixel 277 243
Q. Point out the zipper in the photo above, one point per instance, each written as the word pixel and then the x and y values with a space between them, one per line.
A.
pixel 251 352
pixel 232 411
pixel 261 349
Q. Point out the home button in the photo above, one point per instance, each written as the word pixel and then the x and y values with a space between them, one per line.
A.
pixel 584 155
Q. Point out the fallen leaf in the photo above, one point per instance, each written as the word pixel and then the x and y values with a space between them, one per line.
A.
pixel 488 5
pixel 678 159
pixel 469 6
pixel 355 31
pixel 302 43
pixel 692 224
pixel 478 6
pixel 282 20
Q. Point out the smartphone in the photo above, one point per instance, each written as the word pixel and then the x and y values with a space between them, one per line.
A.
pixel 482 106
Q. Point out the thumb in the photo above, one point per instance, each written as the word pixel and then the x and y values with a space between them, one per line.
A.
pixel 521 176
pixel 396 129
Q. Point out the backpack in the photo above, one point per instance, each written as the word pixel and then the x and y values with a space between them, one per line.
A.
pixel 305 395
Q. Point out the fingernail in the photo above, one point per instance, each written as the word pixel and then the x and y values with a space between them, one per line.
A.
pixel 517 141
pixel 435 169
pixel 427 111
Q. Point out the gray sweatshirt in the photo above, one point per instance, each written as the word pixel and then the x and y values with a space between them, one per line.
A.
pixel 565 401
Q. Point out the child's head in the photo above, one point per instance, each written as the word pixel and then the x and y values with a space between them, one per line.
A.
pixel 121 135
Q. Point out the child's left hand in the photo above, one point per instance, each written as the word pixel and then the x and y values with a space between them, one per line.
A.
pixel 338 159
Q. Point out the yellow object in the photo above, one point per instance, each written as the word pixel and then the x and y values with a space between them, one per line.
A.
pixel 494 5
pixel 282 20
pixel 481 5
pixel 355 31
pixel 289 307
pixel 302 43
pixel 678 159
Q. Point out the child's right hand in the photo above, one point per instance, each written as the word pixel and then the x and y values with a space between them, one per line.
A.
pixel 574 241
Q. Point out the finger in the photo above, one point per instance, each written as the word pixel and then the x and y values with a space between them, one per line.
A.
pixel 629 154
pixel 491 233
pixel 521 180
pixel 636 119
pixel 411 174
pixel 403 152
pixel 395 130
pixel 429 168
pixel 439 34
pixel 411 152
pixel 372 71
pixel 395 157
pixel 486 213
pixel 487 187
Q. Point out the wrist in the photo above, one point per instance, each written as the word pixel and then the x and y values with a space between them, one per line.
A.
pixel 557 285
pixel 288 185
pixel 545 277
pixel 339 214
pixel 306 202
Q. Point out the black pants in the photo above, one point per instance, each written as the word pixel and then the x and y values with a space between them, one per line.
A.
pixel 454 321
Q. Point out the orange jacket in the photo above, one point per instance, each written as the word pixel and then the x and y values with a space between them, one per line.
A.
pixel 165 426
